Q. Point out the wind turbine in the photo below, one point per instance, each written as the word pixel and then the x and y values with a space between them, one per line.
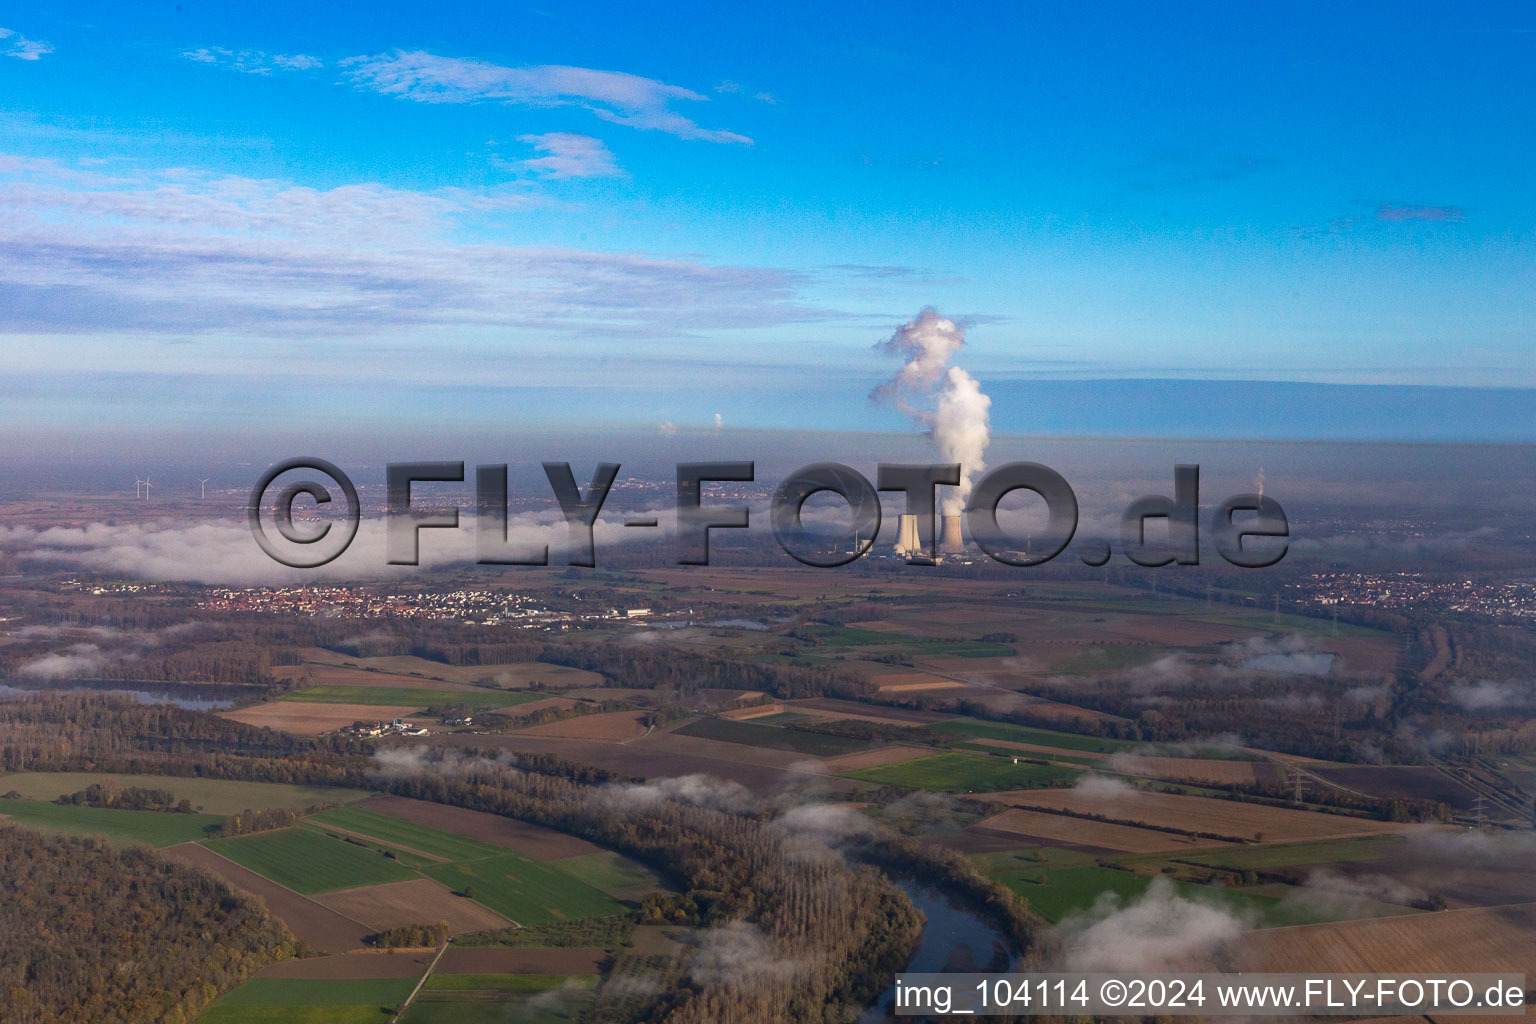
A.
pixel 147 486
pixel 204 484
pixel 137 483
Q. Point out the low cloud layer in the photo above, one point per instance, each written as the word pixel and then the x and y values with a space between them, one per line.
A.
pixel 224 552
pixel 737 951
pixel 699 790
pixel 1159 931
pixel 88 650
pixel 1491 695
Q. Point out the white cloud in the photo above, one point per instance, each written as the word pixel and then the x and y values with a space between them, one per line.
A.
pixel 253 62
pixel 738 951
pixel 1491 695
pixel 615 96
pixel 14 44
pixel 568 155
pixel 1159 931
pixel 181 253
pixel 224 552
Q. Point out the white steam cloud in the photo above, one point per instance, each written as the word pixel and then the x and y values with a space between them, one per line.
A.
pixel 943 398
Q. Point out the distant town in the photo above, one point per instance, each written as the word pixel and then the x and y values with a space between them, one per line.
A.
pixel 1515 599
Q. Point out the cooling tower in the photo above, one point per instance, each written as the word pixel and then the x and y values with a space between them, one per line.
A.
pixel 950 541
pixel 906 537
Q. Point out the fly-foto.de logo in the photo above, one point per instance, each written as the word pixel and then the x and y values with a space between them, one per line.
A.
pixel 1247 530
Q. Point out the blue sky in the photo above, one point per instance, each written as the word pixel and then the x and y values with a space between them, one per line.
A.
pixel 655 213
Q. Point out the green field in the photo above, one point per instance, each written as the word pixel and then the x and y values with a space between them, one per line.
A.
pixel 508 982
pixel 309 862
pixel 985 748
pixel 398 832
pixel 811 743
pixel 215 796
pixel 1109 658
pixel 151 828
pixel 608 871
pixel 524 890
pixel 1026 734
pixel 306 1001
pixel 966 773
pixel 1064 882
pixel 405 696
pixel 415 861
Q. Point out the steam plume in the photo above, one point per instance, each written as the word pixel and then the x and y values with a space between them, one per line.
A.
pixel 943 398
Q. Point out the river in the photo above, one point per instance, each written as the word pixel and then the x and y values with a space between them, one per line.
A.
pixel 953 939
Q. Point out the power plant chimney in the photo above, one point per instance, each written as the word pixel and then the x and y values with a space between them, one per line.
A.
pixel 907 542
pixel 950 541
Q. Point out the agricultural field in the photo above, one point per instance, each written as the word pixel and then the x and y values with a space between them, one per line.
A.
pixel 1221 818
pixel 543 957
pixel 1032 750
pixel 616 875
pixel 1061 829
pixel 1199 770
pixel 406 835
pixel 524 890
pixel 773 737
pixel 493 998
pixel 841 638
pixel 1491 939
pixel 323 928
pixel 350 871
pixel 515 675
pixel 149 828
pixel 614 726
pixel 829 707
pixel 1060 883
pixel 1283 855
pixel 970 773
pixel 531 840
pixel 1064 741
pixel 309 862
pixel 332 675
pixel 310 1001
pixel 214 796
pixel 419 901
pixel 1098 658
pixel 1407 782
pixel 391 696
pixel 1057 883
pixel 304 719
pixel 874 758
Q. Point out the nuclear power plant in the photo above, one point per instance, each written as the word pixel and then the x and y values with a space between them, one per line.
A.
pixel 950 541
pixel 908 541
